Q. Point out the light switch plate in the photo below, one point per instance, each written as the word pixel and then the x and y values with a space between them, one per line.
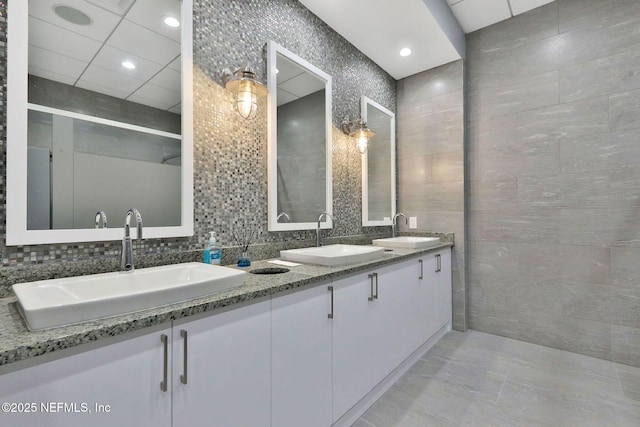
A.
pixel 413 222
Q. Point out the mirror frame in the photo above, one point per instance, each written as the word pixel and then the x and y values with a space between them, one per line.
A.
pixel 17 97
pixel 365 103
pixel 273 49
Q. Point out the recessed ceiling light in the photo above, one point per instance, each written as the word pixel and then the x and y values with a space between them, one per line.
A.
pixel 405 52
pixel 171 21
pixel 72 15
pixel 128 65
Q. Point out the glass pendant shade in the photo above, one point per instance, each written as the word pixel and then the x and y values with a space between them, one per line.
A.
pixel 362 134
pixel 247 89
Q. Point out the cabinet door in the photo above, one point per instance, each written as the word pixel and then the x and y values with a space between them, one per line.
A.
pixel 443 279
pixel 430 311
pixel 397 317
pixel 224 379
pixel 301 359
pixel 355 342
pixel 115 385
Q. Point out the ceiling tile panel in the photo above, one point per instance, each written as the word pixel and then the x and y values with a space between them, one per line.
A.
pixel 46 61
pixel 101 77
pixel 144 43
pixel 111 91
pixel 102 21
pixel 112 58
pixel 151 13
pixel 47 74
pixel 521 6
pixel 168 79
pixel 176 64
pixel 177 109
pixel 156 96
pixel 119 7
pixel 302 85
pixel 287 69
pixel 475 14
pixel 285 97
pixel 59 40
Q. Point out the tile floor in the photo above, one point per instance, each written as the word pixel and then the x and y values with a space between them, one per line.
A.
pixel 477 379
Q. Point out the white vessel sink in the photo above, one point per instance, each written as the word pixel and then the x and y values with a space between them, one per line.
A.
pixel 57 302
pixel 408 242
pixel 333 255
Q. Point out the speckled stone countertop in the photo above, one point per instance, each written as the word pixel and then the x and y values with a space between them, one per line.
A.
pixel 18 343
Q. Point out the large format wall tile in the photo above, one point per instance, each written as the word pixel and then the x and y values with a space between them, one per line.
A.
pixel 507 97
pixel 557 184
pixel 565 120
pixel 602 76
pixel 431 163
pixel 624 110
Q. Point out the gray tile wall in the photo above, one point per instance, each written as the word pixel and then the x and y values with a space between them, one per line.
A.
pixel 230 168
pixel 431 163
pixel 554 184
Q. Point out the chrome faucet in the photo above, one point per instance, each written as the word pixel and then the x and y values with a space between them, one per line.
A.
pixel 283 214
pixel 393 223
pixel 318 232
pixel 126 262
pixel 101 217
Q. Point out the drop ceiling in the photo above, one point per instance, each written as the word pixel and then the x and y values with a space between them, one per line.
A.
pixel 380 28
pixel 91 56
pixel 476 14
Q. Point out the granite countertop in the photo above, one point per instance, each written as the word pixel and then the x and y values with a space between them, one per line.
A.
pixel 18 343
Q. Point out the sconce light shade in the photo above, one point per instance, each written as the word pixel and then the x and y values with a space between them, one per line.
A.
pixel 358 129
pixel 247 88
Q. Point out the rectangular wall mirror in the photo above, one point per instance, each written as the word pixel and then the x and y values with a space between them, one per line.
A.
pixel 299 117
pixel 100 119
pixel 379 165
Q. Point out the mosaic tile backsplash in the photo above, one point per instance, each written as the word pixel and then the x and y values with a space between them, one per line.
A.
pixel 230 154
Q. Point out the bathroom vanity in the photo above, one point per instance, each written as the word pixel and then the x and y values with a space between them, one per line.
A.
pixel 313 346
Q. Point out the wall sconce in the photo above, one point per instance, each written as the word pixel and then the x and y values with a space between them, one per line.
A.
pixel 246 88
pixel 358 129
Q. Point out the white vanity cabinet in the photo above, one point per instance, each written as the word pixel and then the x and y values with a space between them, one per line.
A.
pixel 381 318
pixel 221 368
pixel 120 384
pixel 218 373
pixel 375 317
pixel 301 335
pixel 309 358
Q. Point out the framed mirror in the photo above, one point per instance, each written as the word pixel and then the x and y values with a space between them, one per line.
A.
pixel 299 155
pixel 379 165
pixel 100 119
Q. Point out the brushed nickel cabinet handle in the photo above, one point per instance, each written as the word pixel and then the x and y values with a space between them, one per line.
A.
pixel 421 270
pixel 165 366
pixel 331 290
pixel 371 279
pixel 183 377
pixel 438 263
pixel 376 276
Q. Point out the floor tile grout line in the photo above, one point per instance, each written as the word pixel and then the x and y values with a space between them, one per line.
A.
pixel 502 385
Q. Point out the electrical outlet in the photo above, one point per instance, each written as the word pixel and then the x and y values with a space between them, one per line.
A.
pixel 413 222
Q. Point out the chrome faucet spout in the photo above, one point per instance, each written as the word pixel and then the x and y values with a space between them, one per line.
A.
pixel 318 232
pixel 283 214
pixel 393 223
pixel 101 218
pixel 126 261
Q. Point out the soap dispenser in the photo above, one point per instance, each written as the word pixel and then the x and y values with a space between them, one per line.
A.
pixel 212 253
